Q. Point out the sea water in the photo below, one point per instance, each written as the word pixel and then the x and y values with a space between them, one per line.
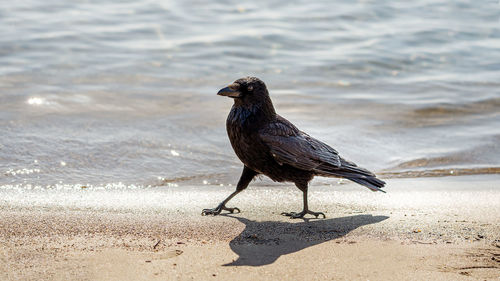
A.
pixel 112 94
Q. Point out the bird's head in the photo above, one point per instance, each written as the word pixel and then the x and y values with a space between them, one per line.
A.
pixel 247 90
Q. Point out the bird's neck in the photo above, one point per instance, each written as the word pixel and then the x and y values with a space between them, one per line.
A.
pixel 252 115
pixel 264 110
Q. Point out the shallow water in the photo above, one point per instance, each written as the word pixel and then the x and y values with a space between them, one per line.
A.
pixel 105 93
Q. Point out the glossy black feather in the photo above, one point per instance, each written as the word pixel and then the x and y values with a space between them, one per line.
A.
pixel 289 145
pixel 271 145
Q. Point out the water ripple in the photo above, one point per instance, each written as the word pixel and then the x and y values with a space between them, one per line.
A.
pixel 125 91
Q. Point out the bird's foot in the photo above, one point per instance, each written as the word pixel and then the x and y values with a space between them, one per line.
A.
pixel 294 215
pixel 216 211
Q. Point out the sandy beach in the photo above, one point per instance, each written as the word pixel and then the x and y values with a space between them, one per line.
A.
pixel 429 228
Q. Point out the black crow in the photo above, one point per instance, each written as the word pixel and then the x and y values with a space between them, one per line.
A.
pixel 269 144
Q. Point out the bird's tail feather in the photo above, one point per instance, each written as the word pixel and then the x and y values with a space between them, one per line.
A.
pixel 372 183
pixel 354 173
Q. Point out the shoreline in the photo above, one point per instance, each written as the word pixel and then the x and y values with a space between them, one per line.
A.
pixel 447 229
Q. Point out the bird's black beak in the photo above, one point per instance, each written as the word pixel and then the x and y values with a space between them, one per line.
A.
pixel 231 91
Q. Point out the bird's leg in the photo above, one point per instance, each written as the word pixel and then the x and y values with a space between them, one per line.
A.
pixel 246 177
pixel 222 206
pixel 294 215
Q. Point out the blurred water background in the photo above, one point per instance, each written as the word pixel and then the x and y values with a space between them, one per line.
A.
pixel 122 93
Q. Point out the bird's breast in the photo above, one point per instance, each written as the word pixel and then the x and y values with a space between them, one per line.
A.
pixel 242 120
pixel 242 128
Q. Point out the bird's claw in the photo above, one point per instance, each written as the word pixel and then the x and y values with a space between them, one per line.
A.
pixel 217 210
pixel 294 215
pixel 232 210
pixel 206 212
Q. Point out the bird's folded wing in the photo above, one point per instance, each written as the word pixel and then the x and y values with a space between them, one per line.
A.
pixel 288 145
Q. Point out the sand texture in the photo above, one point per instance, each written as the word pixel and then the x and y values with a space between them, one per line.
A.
pixel 422 229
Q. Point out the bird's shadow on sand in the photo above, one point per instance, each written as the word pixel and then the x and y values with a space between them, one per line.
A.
pixel 262 243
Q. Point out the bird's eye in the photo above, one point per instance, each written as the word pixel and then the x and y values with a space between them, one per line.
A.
pixel 250 88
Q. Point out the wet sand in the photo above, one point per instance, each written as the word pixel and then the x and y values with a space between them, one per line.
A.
pixel 427 228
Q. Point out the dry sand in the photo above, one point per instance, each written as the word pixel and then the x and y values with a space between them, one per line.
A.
pixel 422 229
